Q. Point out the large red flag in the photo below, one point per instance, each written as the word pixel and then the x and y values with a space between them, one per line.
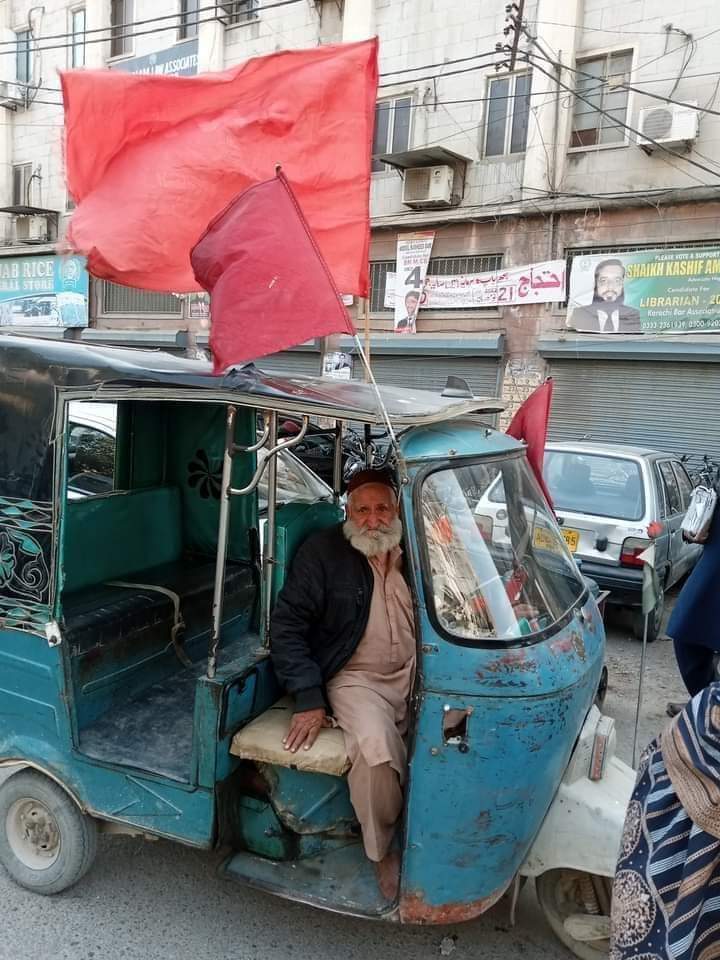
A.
pixel 150 160
pixel 530 424
pixel 269 285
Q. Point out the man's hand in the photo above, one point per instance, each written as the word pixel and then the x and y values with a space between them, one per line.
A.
pixel 304 728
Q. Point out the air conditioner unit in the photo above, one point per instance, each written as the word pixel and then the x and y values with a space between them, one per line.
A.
pixel 429 187
pixel 31 229
pixel 12 96
pixel 668 124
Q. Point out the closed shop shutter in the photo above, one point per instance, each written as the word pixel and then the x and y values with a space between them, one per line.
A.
pixel 303 362
pixel 664 405
pixel 431 373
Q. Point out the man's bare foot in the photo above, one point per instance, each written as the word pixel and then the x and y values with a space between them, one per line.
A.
pixel 388 874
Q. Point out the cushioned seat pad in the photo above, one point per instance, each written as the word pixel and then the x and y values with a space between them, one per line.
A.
pixel 261 740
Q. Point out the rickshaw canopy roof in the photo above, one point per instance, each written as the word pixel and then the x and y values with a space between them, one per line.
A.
pixel 103 371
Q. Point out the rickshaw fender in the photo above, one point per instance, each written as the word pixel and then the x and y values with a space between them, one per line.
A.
pixel 9 767
pixel 583 828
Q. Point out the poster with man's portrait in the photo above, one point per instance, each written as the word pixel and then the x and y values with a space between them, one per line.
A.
pixel 645 291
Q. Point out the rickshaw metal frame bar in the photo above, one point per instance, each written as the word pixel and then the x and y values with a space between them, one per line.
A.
pixel 222 543
pixel 269 550
pixel 337 461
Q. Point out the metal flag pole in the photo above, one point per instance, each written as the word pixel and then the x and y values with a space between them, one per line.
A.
pixel 649 602
pixel 640 689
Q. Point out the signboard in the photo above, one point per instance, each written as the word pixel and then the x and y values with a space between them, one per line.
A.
pixel 511 286
pixel 413 256
pixel 649 291
pixel 180 60
pixel 44 291
pixel 338 365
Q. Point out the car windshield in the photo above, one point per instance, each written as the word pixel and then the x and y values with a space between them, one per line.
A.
pixel 597 484
pixel 489 582
pixel 295 481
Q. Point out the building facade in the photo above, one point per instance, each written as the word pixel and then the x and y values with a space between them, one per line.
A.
pixel 593 131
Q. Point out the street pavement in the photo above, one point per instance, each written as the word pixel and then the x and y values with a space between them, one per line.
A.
pixel 161 901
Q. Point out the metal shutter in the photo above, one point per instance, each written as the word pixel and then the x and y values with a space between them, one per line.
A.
pixel 431 373
pixel 671 407
pixel 291 362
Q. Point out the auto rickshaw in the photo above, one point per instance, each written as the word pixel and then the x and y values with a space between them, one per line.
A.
pixel 136 690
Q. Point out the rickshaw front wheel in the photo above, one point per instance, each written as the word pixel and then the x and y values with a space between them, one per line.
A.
pixel 577 907
pixel 46 843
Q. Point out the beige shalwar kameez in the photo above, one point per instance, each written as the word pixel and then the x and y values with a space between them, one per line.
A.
pixel 369 700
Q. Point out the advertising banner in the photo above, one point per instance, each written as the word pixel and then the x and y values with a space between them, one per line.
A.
pixel 413 256
pixel 649 291
pixel 179 60
pixel 44 291
pixel 536 283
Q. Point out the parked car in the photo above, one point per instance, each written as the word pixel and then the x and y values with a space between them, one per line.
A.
pixel 606 496
pixel 91 461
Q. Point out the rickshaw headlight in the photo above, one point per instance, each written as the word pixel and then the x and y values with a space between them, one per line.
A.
pixel 603 747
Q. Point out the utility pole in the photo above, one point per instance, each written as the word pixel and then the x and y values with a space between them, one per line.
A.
pixel 513 25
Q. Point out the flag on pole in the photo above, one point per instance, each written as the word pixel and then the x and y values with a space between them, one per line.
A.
pixel 150 160
pixel 269 285
pixel 650 584
pixel 530 424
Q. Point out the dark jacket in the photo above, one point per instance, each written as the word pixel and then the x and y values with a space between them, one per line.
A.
pixel 321 614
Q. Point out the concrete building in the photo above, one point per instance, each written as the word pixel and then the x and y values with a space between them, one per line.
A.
pixel 541 163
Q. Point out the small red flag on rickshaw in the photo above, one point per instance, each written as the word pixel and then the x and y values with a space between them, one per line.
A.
pixel 530 424
pixel 269 285
pixel 150 160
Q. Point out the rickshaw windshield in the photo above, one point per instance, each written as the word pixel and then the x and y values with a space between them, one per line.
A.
pixel 498 572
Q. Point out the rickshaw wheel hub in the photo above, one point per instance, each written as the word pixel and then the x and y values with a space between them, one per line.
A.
pixel 33 833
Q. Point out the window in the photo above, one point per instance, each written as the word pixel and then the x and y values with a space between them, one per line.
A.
pixel 601 90
pixel 188 19
pixel 77 32
pixel 22 185
pixel 438 267
pixel 684 483
pixel 121 14
pixel 117 299
pixel 23 68
pixel 507 115
pixel 238 11
pixel 91 449
pixel 673 497
pixel 392 129
pixel 593 484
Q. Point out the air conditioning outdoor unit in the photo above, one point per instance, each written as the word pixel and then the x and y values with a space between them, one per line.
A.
pixel 429 187
pixel 31 229
pixel 668 124
pixel 11 95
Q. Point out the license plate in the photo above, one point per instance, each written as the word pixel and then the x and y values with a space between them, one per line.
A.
pixel 546 540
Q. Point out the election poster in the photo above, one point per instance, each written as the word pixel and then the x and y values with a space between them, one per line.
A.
pixel 511 286
pixel 647 291
pixel 413 257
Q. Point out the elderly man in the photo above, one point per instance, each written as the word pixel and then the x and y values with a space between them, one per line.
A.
pixel 343 643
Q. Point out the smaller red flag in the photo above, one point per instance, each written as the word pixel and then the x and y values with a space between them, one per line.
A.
pixel 269 285
pixel 530 424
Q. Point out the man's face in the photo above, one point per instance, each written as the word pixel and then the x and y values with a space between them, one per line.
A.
pixel 610 282
pixel 372 507
pixel 411 305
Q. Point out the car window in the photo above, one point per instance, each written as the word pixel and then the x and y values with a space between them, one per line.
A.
pixel 295 481
pixel 684 483
pixel 91 460
pixel 672 490
pixel 597 484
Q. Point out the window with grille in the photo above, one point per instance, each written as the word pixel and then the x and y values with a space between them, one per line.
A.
pixel 117 299
pixel 238 11
pixel 188 19
pixel 392 129
pixel 438 267
pixel 121 15
pixel 23 56
pixel 22 185
pixel 600 85
pixel 507 115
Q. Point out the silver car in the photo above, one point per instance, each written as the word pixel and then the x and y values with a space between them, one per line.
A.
pixel 606 496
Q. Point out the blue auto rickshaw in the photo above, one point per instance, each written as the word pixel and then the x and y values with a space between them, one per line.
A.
pixel 136 690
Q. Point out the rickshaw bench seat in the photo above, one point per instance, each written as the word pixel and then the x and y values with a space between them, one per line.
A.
pixel 261 741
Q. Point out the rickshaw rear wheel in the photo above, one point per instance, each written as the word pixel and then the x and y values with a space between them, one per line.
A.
pixel 565 894
pixel 46 842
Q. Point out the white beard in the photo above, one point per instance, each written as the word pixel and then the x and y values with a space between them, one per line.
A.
pixel 373 543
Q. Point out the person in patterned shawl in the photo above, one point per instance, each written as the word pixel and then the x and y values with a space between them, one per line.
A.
pixel 666 892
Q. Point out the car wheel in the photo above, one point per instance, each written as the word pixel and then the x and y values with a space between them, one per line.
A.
pixel 655 621
pixel 577 907
pixel 46 842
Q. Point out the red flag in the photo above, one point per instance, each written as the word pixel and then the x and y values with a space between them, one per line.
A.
pixel 151 160
pixel 270 287
pixel 530 424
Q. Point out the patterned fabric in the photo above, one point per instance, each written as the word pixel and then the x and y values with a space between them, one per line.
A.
pixel 666 894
